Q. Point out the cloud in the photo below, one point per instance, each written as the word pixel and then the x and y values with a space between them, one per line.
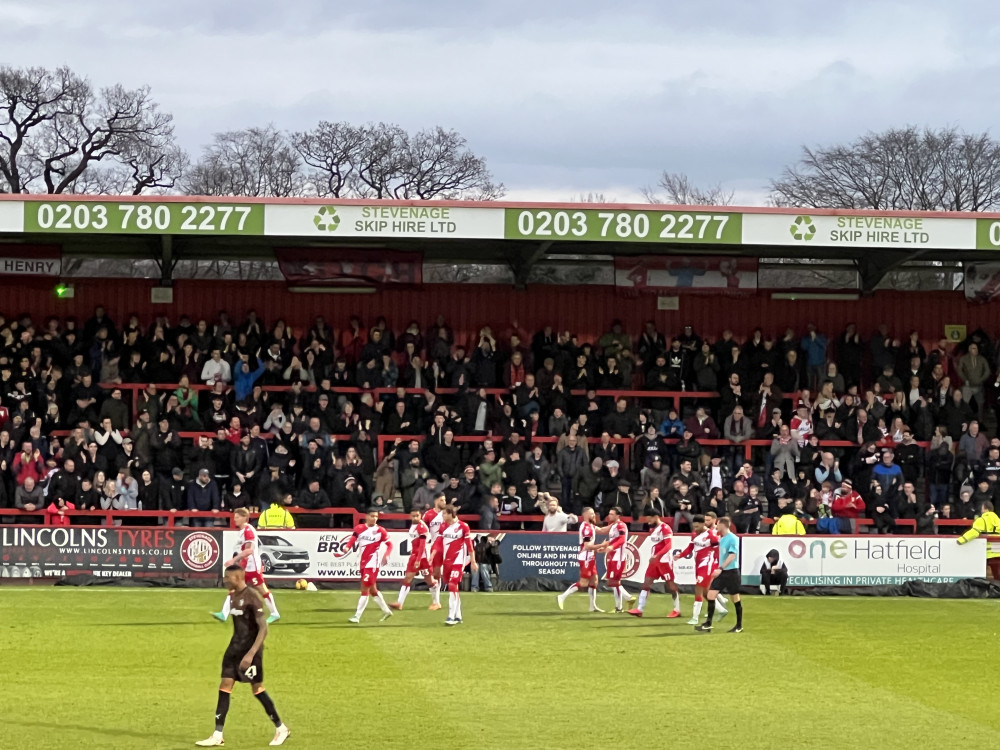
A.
pixel 580 96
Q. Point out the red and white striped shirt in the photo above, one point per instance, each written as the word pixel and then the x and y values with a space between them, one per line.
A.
pixel 248 535
pixel 617 536
pixel 369 540
pixel 434 520
pixel 418 540
pixel 587 534
pixel 457 543
pixel 662 539
pixel 706 551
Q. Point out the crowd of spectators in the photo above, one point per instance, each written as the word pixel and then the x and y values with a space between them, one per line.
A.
pixel 909 424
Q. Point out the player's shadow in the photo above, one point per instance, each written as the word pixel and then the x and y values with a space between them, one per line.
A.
pixel 540 613
pixel 141 624
pixel 354 626
pixel 104 731
pixel 636 625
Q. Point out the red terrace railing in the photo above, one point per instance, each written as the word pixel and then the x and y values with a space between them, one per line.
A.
pixel 107 517
pixel 675 396
pixel 626 443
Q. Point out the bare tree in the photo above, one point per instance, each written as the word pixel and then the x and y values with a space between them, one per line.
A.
pixel 331 150
pixel 439 165
pixel 140 170
pixel 381 160
pixel 678 190
pixel 250 162
pixel 898 169
pixel 593 198
pixel 54 129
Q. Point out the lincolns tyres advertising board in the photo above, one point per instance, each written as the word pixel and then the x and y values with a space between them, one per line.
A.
pixel 50 551
pixel 865 560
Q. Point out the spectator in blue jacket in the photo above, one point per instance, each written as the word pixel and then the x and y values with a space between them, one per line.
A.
pixel 889 478
pixel 814 346
pixel 244 379
pixel 672 428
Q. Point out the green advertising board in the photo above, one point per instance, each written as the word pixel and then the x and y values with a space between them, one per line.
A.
pixel 346 219
pixel 599 225
pixel 85 217
pixel 987 234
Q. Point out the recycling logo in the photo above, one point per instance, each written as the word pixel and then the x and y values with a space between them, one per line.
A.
pixel 803 228
pixel 326 219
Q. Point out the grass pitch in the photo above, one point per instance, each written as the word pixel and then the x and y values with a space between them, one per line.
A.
pixel 139 668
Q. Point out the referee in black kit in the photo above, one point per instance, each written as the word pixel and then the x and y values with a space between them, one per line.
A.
pixel 727 581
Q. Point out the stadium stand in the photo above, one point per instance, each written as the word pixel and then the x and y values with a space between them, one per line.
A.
pixel 180 424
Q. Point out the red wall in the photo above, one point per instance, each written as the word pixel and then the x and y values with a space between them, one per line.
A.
pixel 587 311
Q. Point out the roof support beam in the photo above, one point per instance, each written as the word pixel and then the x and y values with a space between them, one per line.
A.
pixel 522 260
pixel 875 264
pixel 167 260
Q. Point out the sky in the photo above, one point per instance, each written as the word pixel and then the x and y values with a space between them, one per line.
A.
pixel 563 99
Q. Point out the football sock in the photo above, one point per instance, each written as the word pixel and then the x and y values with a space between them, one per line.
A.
pixel 403 591
pixel 618 598
pixel 571 590
pixel 458 606
pixel 221 709
pixel 719 606
pixel 721 599
pixel 452 605
pixel 227 606
pixel 593 597
pixel 677 602
pixel 268 704
pixel 711 611
pixel 642 599
pixel 269 600
pixel 697 609
pixel 623 594
pixel 380 601
pixel 739 613
pixel 436 593
pixel 362 603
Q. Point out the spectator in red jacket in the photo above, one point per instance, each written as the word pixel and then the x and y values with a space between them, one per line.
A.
pixel 352 341
pixel 28 463
pixel 57 512
pixel 848 504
